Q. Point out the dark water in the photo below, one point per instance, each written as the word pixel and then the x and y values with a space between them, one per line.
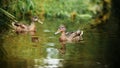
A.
pixel 92 52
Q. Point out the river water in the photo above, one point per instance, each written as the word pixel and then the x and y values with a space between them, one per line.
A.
pixel 21 52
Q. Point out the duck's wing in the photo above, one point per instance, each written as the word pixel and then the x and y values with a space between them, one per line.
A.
pixel 68 33
pixel 77 33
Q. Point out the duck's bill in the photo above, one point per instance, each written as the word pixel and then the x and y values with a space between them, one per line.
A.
pixel 40 22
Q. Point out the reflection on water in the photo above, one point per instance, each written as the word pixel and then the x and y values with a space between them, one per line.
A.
pixel 53 63
pixel 51 53
pixel 90 53
pixel 50 61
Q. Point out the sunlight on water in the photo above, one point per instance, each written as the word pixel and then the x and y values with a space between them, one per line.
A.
pixel 50 61
pixel 53 63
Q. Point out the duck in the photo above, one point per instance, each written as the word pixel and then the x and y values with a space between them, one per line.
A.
pixel 19 28
pixel 68 37
pixel 75 36
pixel 23 28
pixel 32 26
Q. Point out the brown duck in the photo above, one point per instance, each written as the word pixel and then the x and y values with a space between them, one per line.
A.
pixel 23 28
pixel 69 36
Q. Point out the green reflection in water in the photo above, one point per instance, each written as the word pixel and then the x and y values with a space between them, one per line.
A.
pixel 23 53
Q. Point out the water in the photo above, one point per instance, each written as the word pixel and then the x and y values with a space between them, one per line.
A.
pixel 21 52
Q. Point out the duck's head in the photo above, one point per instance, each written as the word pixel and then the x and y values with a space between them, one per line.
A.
pixel 61 28
pixel 36 19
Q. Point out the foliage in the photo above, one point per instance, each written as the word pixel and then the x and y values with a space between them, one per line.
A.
pixel 54 8
pixel 21 8
pixel 74 10
pixel 7 14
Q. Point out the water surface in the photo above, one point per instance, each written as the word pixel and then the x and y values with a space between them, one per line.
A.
pixel 21 52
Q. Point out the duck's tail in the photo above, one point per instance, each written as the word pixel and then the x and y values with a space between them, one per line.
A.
pixel 13 23
pixel 81 33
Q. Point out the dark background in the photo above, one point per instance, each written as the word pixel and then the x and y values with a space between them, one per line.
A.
pixel 113 53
